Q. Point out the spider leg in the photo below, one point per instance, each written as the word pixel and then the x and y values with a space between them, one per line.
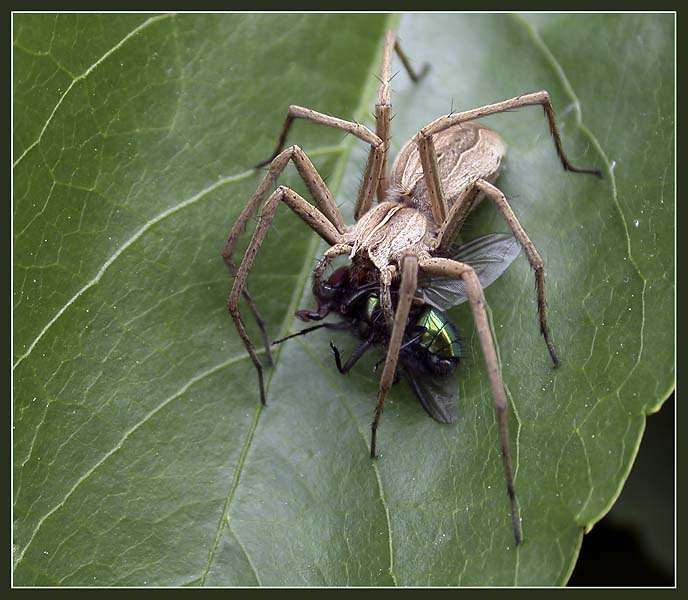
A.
pixel 375 178
pixel 534 258
pixel 321 195
pixel 407 290
pixel 383 111
pixel 431 174
pixel 373 166
pixel 256 315
pixel 428 155
pixel 451 268
pixel 324 262
pixel 261 325
pixel 537 98
pixel 315 184
pixel 315 219
pixel 386 276
pixel 383 106
pixel 415 77
pixel 457 215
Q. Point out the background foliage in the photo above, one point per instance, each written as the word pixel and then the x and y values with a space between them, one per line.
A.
pixel 141 454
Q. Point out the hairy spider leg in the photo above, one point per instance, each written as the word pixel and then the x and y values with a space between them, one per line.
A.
pixel 374 178
pixel 313 217
pixel 407 290
pixel 451 268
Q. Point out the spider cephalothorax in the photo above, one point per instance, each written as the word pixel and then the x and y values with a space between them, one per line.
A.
pixel 437 179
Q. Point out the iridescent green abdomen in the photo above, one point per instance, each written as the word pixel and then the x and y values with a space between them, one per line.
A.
pixel 439 338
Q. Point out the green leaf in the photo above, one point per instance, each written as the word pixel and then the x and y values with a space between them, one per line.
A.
pixel 141 453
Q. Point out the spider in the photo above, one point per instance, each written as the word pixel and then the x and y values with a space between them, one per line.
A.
pixel 437 179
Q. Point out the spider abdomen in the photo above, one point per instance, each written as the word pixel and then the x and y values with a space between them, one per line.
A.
pixel 465 153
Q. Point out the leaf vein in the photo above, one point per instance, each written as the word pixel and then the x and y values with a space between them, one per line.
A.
pixel 125 246
pixel 123 439
pixel 86 73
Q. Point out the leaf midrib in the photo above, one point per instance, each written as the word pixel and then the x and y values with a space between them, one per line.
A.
pixel 560 74
pixel 344 148
pixel 301 281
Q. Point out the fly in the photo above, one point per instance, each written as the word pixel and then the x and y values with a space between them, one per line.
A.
pixel 431 347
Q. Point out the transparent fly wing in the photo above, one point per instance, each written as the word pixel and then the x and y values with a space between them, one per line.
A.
pixel 490 255
pixel 439 395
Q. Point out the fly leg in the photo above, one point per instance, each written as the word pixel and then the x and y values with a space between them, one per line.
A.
pixel 360 350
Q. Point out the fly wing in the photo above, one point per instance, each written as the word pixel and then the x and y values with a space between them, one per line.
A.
pixel 439 395
pixel 490 255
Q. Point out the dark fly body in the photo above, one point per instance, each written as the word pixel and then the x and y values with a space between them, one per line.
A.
pixel 431 348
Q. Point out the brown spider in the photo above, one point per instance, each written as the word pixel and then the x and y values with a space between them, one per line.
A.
pixel 437 179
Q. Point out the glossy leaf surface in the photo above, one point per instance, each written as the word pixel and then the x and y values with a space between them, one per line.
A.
pixel 141 453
